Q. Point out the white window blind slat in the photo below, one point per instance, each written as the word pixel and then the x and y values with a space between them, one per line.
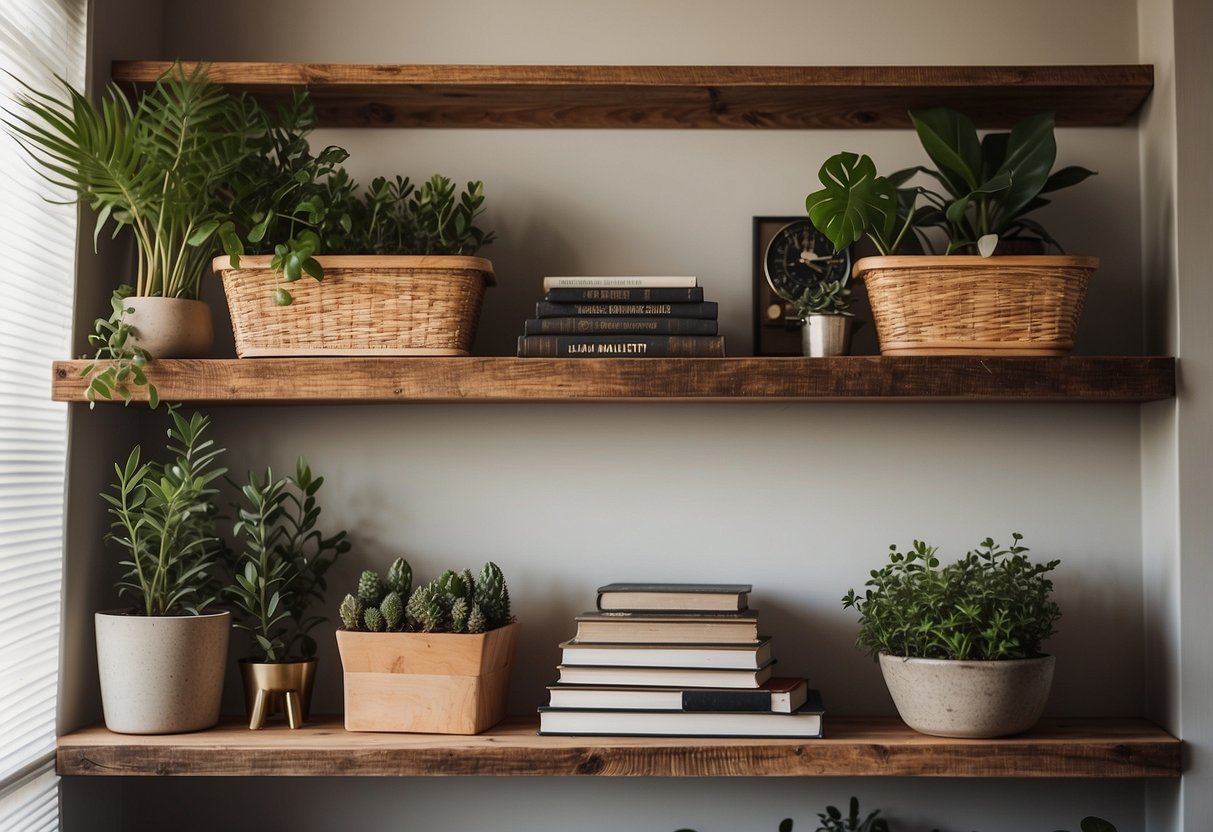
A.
pixel 39 39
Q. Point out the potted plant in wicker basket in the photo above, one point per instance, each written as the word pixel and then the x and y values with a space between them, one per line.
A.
pixel 279 572
pixel 965 301
pixel 959 646
pixel 435 659
pixel 396 261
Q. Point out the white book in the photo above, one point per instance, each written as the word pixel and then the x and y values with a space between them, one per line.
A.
pixel 619 282
pixel 805 722
pixel 689 677
pixel 738 656
pixel 782 695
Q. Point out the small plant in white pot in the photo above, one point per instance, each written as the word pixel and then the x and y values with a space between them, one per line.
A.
pixel 277 575
pixel 960 646
pixel 161 662
pixel 435 659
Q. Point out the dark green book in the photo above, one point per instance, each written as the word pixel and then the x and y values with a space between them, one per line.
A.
pixel 621 346
pixel 620 326
pixel 547 309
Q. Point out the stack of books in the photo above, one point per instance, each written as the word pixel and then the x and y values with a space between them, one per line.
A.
pixel 622 317
pixel 675 660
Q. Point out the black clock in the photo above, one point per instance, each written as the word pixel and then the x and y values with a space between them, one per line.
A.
pixel 799 257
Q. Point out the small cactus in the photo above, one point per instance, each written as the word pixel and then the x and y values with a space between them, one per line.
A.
pixel 370 589
pixel 351 613
pixel 424 610
pixel 393 612
pixel 400 578
pixel 476 622
pixel 372 619
pixel 493 596
pixel 460 610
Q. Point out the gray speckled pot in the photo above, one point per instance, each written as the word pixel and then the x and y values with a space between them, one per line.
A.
pixel 968 699
pixel 171 327
pixel 161 674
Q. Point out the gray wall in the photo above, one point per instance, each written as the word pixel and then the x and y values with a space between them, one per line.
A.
pixel 566 497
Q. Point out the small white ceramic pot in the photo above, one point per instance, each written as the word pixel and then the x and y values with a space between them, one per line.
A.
pixel 161 674
pixel 972 699
pixel 171 327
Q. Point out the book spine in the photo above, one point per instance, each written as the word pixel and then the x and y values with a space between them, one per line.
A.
pixel 692 294
pixel 621 346
pixel 726 700
pixel 620 326
pixel 621 282
pixel 548 309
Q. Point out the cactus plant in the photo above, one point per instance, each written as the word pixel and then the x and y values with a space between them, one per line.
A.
pixel 454 602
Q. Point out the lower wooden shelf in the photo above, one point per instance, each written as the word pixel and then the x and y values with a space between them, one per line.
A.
pixel 854 746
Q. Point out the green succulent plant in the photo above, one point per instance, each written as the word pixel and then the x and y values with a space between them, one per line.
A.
pixel 994 603
pixel 831 297
pixel 454 602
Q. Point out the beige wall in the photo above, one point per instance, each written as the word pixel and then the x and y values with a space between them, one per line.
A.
pixel 800 500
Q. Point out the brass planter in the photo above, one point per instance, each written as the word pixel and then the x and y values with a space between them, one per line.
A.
pixel 277 687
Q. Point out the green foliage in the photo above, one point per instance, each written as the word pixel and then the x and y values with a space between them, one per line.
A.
pixel 164 519
pixel 990 186
pixel 124 361
pixel 152 169
pixel 994 603
pixel 372 620
pixel 454 602
pixel 280 572
pixel 832 297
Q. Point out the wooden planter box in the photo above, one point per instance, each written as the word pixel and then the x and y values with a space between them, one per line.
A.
pixel 968 305
pixel 366 305
pixel 426 683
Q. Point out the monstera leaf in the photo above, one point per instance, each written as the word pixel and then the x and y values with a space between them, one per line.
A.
pixel 854 201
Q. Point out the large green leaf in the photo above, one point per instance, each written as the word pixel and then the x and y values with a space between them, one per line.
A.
pixel 854 200
pixel 951 141
pixel 1065 178
pixel 1031 151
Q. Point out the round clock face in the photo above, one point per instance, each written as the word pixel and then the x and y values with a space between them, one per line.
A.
pixel 799 257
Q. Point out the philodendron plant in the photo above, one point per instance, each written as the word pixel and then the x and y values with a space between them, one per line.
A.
pixel 989 187
pixel 454 602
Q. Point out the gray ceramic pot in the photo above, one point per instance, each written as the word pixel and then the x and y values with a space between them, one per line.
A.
pixel 968 699
pixel 171 327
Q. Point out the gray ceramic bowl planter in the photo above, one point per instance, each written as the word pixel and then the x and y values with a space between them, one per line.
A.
pixel 971 699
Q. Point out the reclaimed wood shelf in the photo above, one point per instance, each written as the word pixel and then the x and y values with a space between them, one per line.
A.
pixel 790 97
pixel 862 747
pixel 504 379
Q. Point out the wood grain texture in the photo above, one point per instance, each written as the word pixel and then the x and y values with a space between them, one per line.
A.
pixel 503 379
pixel 879 747
pixel 788 97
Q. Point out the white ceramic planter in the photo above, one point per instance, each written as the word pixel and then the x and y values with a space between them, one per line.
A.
pixel 161 674
pixel 968 699
pixel 171 327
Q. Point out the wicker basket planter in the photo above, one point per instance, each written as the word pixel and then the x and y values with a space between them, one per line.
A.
pixel 366 305
pixel 428 683
pixel 957 305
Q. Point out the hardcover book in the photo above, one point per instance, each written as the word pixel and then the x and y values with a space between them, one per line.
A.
pixel 663 596
pixel 693 294
pixel 673 628
pixel 618 282
pixel 621 346
pixel 738 656
pixel 804 723
pixel 619 326
pixel 706 309
pixel 779 693
pixel 674 677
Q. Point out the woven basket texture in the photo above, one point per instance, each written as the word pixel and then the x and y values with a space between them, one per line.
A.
pixel 412 308
pixel 970 305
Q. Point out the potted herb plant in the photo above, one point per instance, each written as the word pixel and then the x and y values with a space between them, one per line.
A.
pixel 151 170
pixel 965 301
pixel 396 261
pixel 435 659
pixel 161 662
pixel 960 646
pixel 824 309
pixel 277 575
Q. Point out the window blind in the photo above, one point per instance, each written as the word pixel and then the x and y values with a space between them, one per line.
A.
pixel 39 39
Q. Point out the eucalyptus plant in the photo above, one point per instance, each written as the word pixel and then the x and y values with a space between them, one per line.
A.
pixel 994 603
pixel 164 519
pixel 280 570
pixel 990 185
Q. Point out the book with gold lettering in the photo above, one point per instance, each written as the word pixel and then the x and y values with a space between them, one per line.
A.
pixel 692 294
pixel 547 309
pixel 621 346
pixel 608 325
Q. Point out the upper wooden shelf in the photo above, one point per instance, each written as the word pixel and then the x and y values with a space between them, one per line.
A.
pixel 879 747
pixel 502 379
pixel 795 97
